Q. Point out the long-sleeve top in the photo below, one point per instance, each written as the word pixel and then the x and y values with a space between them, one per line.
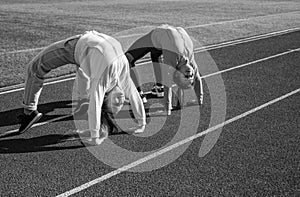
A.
pixel 102 59
pixel 176 41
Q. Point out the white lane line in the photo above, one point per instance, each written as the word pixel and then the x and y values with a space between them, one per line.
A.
pixel 173 146
pixel 22 51
pixel 189 27
pixel 253 62
pixel 204 76
pixel 46 83
pixel 197 50
pixel 233 42
pixel 248 39
pixel 239 20
pixel 219 23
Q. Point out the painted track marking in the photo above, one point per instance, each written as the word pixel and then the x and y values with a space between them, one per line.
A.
pixel 189 27
pixel 16 88
pixel 205 76
pixel 173 146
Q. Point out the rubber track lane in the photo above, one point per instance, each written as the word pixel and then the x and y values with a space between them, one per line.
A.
pixel 251 157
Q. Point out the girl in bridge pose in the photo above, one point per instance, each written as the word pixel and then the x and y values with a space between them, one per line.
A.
pixel 103 77
pixel 173 47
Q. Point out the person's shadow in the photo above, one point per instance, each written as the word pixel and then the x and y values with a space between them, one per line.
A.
pixel 10 117
pixel 36 144
pixel 50 142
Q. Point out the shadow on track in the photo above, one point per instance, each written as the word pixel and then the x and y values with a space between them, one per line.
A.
pixel 9 118
pixel 35 144
pixel 51 142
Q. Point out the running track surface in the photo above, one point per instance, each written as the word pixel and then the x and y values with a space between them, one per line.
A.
pixel 255 155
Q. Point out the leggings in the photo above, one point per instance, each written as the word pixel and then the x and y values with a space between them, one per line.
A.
pixel 52 57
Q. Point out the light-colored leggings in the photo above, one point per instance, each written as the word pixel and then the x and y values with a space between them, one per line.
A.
pixel 56 55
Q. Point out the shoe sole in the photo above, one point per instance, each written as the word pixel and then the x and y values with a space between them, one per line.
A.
pixel 36 118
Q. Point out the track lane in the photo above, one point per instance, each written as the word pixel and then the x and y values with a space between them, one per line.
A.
pixel 241 98
pixel 68 168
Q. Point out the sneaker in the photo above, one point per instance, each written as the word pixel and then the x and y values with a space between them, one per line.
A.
pixel 158 91
pixel 143 97
pixel 28 120
pixel 82 107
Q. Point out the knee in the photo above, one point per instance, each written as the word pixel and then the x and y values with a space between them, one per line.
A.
pixel 38 70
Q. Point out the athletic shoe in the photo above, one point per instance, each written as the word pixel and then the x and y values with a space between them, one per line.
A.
pixel 143 97
pixel 28 120
pixel 82 107
pixel 158 91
